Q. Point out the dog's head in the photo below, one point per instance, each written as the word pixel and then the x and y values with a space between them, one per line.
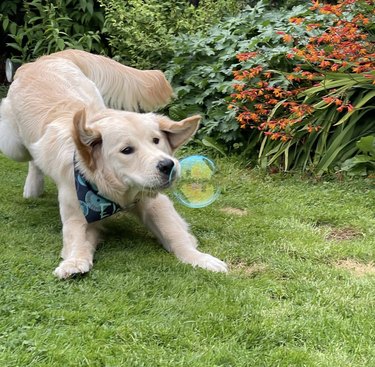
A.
pixel 134 150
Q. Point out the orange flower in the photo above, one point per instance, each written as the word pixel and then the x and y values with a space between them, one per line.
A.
pixel 315 6
pixel 328 100
pixel 340 109
pixel 278 92
pixel 338 102
pixel 268 74
pixel 245 56
pixel 238 87
pixel 296 20
pixel 324 64
pixel 287 38
pixel 308 75
pixel 275 136
pixel 331 9
pixel 311 128
pixel 311 26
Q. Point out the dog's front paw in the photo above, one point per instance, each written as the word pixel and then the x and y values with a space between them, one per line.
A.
pixel 205 261
pixel 71 267
pixel 212 263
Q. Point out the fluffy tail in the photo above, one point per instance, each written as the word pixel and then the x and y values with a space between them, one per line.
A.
pixel 122 87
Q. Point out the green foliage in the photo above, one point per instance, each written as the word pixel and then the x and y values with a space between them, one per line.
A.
pixel 9 8
pixel 319 89
pixel 201 70
pixel 328 136
pixel 42 27
pixel 364 162
pixel 336 140
pixel 141 32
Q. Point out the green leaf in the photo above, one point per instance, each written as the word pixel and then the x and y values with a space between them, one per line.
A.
pixel 13 28
pixel 90 7
pixel 60 44
pixel 358 165
pixel 338 143
pixel 5 23
pixel 367 144
pixel 15 46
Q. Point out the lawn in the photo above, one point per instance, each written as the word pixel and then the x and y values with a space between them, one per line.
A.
pixel 300 290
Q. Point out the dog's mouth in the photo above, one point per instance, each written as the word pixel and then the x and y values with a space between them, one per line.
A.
pixel 168 182
pixel 164 182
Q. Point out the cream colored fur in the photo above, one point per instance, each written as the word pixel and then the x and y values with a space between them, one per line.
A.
pixel 73 102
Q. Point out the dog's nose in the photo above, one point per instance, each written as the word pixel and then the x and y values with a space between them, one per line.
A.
pixel 165 166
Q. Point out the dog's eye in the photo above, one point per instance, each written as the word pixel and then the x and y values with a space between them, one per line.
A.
pixel 128 150
pixel 156 140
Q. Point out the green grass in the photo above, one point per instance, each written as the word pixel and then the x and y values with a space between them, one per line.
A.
pixel 285 302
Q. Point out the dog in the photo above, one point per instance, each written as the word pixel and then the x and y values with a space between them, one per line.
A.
pixel 86 121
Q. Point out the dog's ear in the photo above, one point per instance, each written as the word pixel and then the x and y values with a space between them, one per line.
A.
pixel 85 138
pixel 179 132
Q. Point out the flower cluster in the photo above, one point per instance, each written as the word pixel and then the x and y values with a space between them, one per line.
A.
pixel 273 101
pixel 259 101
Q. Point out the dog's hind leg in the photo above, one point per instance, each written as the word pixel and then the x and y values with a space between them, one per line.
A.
pixel 34 185
pixel 10 141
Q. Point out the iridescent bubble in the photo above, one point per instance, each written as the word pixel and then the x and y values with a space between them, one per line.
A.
pixel 197 186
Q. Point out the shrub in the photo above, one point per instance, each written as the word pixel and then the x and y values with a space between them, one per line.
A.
pixel 202 66
pixel 141 32
pixel 39 27
pixel 312 110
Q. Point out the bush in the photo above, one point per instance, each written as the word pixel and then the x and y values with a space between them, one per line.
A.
pixel 202 66
pixel 312 110
pixel 38 27
pixel 141 32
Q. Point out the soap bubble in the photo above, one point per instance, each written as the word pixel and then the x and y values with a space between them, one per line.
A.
pixel 197 186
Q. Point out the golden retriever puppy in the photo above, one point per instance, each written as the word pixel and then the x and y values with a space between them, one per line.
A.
pixel 75 117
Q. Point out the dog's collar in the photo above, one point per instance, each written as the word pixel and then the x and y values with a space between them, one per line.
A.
pixel 94 206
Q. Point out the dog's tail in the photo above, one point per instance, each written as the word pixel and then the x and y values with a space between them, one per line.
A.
pixel 122 87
